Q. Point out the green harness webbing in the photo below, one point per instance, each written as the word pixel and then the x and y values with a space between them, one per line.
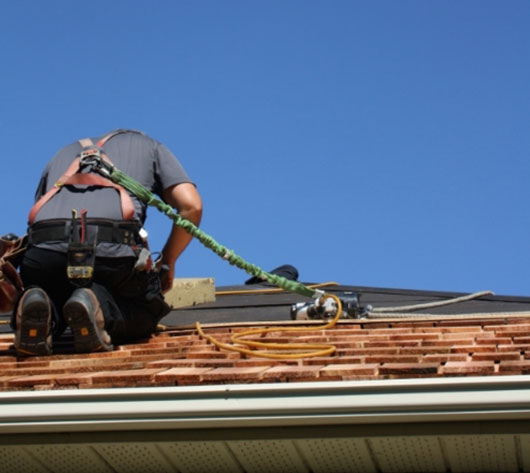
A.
pixel 149 198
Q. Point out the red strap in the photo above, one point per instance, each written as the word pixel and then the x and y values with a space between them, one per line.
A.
pixel 106 138
pixel 72 169
pixel 70 177
pixel 127 207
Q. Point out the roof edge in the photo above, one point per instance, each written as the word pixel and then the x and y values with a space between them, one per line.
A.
pixel 267 405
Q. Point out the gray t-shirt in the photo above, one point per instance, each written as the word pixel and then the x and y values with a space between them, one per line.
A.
pixel 137 155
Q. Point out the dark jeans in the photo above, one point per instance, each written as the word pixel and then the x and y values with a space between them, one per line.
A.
pixel 131 301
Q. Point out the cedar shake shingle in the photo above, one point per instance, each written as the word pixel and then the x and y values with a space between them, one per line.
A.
pixel 365 350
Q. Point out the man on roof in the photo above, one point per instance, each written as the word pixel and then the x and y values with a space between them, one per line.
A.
pixel 88 265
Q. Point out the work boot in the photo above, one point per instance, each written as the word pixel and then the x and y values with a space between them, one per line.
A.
pixel 82 312
pixel 32 324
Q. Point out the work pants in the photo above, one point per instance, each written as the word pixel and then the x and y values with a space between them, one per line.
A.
pixel 131 301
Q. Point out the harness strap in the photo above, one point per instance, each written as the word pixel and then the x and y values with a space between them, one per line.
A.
pixel 106 138
pixel 86 142
pixel 127 207
pixel 72 177
pixel 72 169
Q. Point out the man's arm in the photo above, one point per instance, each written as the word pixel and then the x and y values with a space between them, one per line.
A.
pixel 185 198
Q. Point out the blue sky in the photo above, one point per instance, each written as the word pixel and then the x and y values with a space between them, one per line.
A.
pixel 375 143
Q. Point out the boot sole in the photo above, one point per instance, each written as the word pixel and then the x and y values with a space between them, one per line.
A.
pixel 34 329
pixel 87 338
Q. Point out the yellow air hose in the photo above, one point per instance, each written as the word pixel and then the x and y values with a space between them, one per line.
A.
pixel 289 350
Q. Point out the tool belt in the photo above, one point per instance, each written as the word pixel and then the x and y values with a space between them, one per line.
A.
pixel 82 236
pixel 125 233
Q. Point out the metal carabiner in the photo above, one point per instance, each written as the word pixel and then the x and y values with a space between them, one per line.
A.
pixel 93 158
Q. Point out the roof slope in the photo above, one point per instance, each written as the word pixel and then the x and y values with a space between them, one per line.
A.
pixel 497 342
pixel 367 349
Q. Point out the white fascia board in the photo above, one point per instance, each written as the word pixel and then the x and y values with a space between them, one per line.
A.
pixel 267 405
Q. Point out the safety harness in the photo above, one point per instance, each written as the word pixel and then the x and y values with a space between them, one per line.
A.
pixel 74 177
pixel 81 253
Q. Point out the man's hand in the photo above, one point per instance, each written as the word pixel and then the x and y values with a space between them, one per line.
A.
pixel 185 198
pixel 167 275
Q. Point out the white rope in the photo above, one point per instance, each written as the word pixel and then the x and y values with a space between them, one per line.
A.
pixel 471 315
pixel 430 305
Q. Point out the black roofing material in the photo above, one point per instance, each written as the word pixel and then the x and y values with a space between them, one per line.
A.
pixel 275 306
pixel 251 305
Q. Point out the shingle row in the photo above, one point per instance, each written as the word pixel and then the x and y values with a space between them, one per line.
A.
pixel 364 350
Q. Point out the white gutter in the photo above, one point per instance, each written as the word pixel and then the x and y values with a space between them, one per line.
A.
pixel 267 405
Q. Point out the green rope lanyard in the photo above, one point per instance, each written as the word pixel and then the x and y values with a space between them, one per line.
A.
pixel 149 198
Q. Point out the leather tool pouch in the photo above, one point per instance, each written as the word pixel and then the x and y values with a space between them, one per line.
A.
pixel 81 254
pixel 81 260
pixel 11 251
